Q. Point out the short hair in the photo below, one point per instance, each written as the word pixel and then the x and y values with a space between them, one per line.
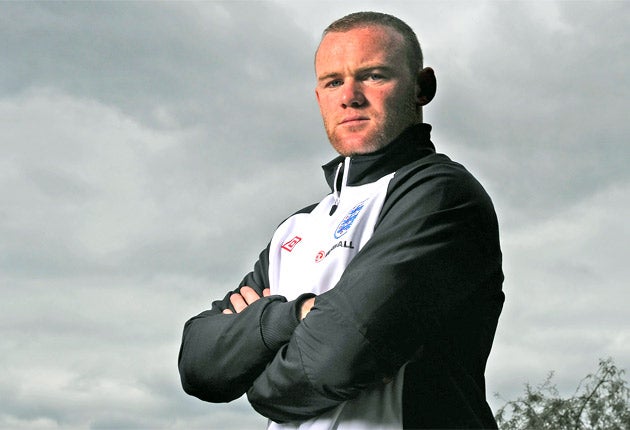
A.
pixel 367 19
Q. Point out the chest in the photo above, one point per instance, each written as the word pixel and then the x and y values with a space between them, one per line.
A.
pixel 309 252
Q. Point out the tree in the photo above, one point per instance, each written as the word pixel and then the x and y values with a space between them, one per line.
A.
pixel 601 401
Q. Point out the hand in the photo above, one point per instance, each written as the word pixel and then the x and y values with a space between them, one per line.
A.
pixel 306 307
pixel 246 297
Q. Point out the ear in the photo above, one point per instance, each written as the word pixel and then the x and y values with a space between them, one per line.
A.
pixel 427 86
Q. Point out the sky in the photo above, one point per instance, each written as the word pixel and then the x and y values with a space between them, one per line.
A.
pixel 148 150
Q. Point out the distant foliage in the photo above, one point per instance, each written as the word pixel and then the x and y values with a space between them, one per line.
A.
pixel 601 401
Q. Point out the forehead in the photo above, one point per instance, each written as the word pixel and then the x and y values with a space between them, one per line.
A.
pixel 360 45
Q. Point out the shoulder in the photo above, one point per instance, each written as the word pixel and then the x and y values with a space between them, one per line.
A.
pixel 291 220
pixel 304 211
pixel 437 195
pixel 437 181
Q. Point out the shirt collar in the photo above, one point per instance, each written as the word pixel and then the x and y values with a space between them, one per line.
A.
pixel 412 144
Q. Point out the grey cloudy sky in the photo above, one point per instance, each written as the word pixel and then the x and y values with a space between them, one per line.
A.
pixel 148 150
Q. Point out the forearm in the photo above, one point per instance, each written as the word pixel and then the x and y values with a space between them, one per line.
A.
pixel 338 351
pixel 221 354
pixel 308 376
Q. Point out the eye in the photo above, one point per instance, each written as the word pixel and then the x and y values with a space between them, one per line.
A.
pixel 334 83
pixel 374 77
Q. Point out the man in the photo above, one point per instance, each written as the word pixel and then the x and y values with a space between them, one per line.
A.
pixel 376 307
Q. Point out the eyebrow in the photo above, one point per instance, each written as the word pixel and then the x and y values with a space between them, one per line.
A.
pixel 328 76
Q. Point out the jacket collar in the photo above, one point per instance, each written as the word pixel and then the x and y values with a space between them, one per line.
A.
pixel 412 144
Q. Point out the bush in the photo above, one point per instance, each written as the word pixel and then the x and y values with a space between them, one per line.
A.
pixel 601 401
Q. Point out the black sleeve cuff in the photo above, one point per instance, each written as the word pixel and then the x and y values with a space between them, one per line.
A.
pixel 279 320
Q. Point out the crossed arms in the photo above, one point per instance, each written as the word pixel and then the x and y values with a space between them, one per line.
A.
pixel 434 247
pixel 247 295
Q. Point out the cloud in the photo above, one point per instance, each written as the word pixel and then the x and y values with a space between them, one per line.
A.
pixel 542 99
pixel 566 294
pixel 181 67
pixel 148 153
pixel 134 183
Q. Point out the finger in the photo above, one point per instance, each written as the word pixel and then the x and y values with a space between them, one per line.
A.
pixel 227 311
pixel 249 294
pixel 266 292
pixel 238 302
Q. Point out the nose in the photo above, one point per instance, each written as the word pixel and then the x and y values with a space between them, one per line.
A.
pixel 351 95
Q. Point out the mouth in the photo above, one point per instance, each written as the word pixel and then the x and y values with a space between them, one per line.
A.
pixel 353 120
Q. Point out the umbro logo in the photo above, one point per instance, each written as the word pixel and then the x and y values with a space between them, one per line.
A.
pixel 288 246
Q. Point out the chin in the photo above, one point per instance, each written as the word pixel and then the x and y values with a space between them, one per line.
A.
pixel 349 146
pixel 350 150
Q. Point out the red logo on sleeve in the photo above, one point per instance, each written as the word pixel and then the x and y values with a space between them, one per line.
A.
pixel 288 246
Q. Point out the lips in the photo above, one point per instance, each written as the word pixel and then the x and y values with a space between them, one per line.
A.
pixel 354 119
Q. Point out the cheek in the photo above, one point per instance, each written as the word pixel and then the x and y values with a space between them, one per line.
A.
pixel 384 98
pixel 323 102
pixel 326 108
pixel 400 100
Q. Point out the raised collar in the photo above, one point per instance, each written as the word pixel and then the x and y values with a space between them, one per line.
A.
pixel 412 144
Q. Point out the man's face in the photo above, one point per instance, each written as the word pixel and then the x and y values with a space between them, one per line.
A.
pixel 365 89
